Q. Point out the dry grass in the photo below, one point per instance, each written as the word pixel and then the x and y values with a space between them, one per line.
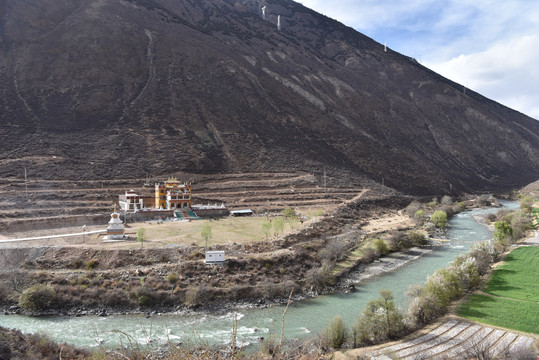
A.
pixel 225 231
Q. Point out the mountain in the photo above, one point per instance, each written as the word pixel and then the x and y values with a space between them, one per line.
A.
pixel 96 89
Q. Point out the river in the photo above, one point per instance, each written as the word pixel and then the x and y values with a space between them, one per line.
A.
pixel 303 318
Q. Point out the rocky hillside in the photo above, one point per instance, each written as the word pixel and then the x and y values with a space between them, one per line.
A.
pixel 100 89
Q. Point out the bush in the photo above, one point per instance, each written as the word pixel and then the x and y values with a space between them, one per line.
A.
pixel 320 278
pixel 503 235
pixel 423 309
pixel 484 254
pixel 380 247
pixel 379 322
pixel 172 278
pixel 412 208
pixel 91 264
pixel 419 217
pixel 270 345
pixel 336 334
pixel 333 251
pixel 526 204
pixel 417 237
pixel 439 218
pixel 520 222
pixel 37 297
pixel 465 267
pixel 444 285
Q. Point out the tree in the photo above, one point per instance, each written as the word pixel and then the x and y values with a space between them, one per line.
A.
pixel 446 200
pixel 439 218
pixel 172 279
pixel 381 247
pixel 336 333
pixel 266 228
pixel 205 233
pixel 417 237
pixel 503 234
pixel 289 213
pixel 141 236
pixel 37 297
pixel 526 204
pixel 520 222
pixel 278 225
pixel 380 320
pixel 419 217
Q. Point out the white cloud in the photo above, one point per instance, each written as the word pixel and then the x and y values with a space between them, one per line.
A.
pixel 488 46
pixel 506 71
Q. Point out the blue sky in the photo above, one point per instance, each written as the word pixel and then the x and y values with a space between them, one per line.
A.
pixel 489 46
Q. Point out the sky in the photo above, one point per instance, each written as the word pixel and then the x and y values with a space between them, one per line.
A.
pixel 489 46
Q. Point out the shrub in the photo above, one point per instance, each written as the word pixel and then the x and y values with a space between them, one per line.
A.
pixel 526 204
pixel 197 295
pixel 443 285
pixel 439 218
pixel 484 254
pixel 446 200
pixel 369 255
pixel 289 213
pixel 336 334
pixel 412 208
pixel 37 297
pixel 380 247
pixel 503 235
pixel 270 345
pixel 320 278
pixel 333 251
pixel 278 226
pixel 419 217
pixel 172 278
pixel 417 237
pixel 423 309
pixel 380 321
pixel 91 264
pixel 520 222
pixel 266 228
pixel 141 236
pixel 465 267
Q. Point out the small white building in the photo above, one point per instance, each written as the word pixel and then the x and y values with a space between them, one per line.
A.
pixel 215 257
pixel 131 201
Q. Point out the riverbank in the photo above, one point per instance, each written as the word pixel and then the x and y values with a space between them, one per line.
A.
pixel 150 281
pixel 303 318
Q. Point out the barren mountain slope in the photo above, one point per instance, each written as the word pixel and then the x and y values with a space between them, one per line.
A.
pixel 118 88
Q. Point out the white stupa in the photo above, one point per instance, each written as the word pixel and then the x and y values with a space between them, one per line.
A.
pixel 115 230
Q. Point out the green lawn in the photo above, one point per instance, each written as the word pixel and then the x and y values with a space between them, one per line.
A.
pixel 516 283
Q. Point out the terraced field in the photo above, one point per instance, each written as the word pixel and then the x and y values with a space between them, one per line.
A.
pixel 457 339
pixel 51 203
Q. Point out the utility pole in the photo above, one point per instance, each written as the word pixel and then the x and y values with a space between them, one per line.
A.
pixel 325 181
pixel 25 184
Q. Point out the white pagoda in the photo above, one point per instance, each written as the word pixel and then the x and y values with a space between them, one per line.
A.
pixel 115 230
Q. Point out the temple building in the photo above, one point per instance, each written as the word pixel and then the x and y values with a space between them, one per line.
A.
pixel 172 195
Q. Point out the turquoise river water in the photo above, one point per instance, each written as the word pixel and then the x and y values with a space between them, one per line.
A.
pixel 303 318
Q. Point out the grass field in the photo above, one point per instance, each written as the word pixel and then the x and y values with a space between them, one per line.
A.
pixel 512 299
pixel 224 231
